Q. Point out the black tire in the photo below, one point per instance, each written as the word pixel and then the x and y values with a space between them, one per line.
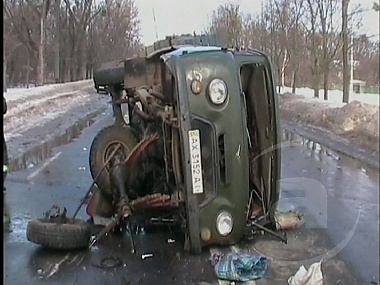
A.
pixel 103 145
pixel 74 234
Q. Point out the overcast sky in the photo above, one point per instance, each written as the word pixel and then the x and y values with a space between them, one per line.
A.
pixel 187 16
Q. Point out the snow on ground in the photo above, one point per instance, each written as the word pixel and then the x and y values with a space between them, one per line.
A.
pixel 357 121
pixel 336 96
pixel 14 94
pixel 38 114
pixel 34 106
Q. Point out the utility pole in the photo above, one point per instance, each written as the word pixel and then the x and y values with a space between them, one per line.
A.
pixel 347 73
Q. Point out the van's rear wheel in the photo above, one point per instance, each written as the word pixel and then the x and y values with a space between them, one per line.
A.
pixel 103 146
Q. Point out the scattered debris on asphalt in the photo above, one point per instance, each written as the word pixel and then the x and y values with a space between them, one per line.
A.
pixel 82 168
pixel 108 262
pixel 313 276
pixel 290 220
pixel 147 255
pixel 241 267
pixel 171 240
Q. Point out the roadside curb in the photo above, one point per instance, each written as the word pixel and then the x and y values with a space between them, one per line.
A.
pixel 333 142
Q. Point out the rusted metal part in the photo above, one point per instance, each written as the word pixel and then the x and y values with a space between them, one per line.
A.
pixel 144 96
pixel 55 216
pixel 136 152
pixel 104 231
pixel 282 237
pixel 124 208
pixel 123 214
pixel 154 201
pixel 157 94
pixel 143 115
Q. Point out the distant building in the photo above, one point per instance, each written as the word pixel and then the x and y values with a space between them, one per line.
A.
pixel 358 86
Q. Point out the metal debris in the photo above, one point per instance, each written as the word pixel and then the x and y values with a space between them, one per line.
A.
pixel 312 276
pixel 147 255
pixel 108 262
pixel 289 220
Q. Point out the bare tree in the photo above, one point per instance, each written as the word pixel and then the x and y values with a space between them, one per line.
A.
pixel 313 44
pixel 331 37
pixel 29 20
pixel 287 27
pixel 115 35
pixel 227 23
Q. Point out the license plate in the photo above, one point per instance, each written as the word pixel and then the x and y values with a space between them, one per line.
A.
pixel 196 161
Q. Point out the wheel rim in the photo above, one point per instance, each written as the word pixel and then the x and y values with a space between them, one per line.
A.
pixel 120 155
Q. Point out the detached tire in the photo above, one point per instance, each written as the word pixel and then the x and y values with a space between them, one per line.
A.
pixel 102 147
pixel 72 235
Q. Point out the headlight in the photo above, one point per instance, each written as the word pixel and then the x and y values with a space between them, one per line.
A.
pixel 217 91
pixel 224 223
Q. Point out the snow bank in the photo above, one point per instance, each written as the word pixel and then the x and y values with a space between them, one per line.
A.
pixel 357 121
pixel 335 96
pixel 14 94
pixel 38 114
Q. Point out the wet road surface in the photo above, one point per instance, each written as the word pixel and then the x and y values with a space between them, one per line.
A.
pixel 351 214
pixel 341 223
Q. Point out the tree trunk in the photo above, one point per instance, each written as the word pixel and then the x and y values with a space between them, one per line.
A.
pixel 41 60
pixel 283 68
pixel 346 64
pixel 57 40
pixel 294 81
pixel 4 63
pixel 27 71
pixel 316 85
pixel 326 75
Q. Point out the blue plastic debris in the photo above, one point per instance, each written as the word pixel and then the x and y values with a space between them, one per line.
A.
pixel 236 266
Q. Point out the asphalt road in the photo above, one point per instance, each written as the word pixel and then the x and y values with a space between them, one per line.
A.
pixel 340 200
